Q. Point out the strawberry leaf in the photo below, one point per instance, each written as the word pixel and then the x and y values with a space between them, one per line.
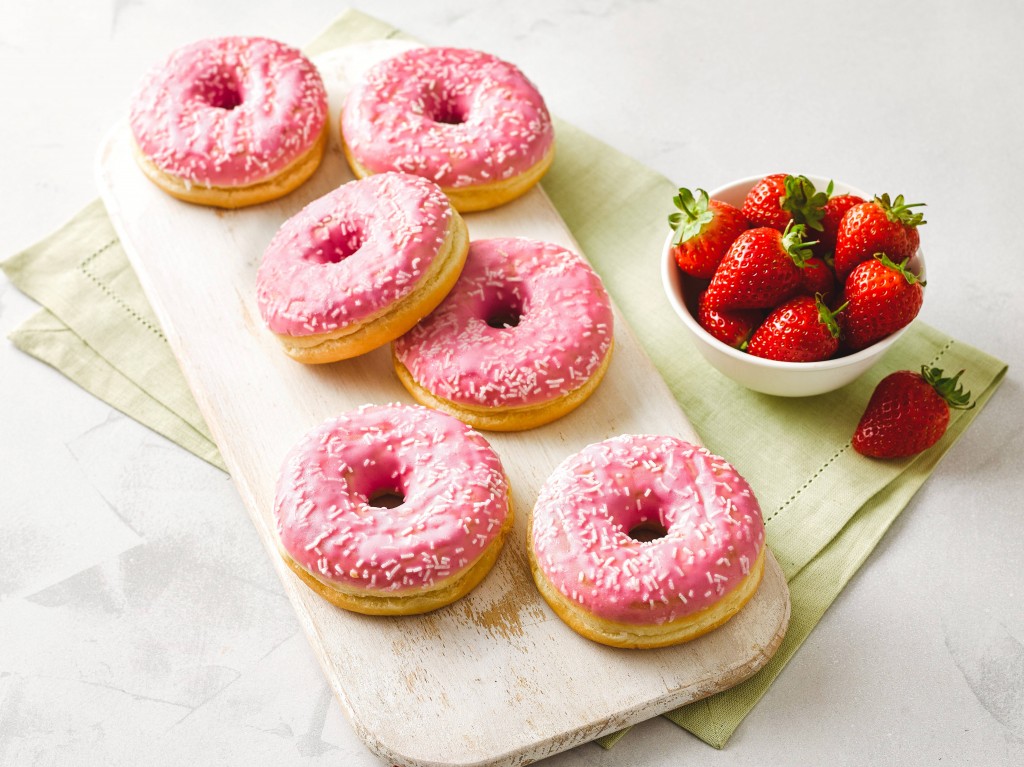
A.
pixel 900 212
pixel 901 267
pixel 948 388
pixel 804 202
pixel 693 214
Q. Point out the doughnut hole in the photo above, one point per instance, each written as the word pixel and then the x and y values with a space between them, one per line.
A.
pixel 335 240
pixel 386 498
pixel 504 310
pixel 641 518
pixel 504 318
pixel 446 108
pixel 379 480
pixel 219 89
pixel 647 531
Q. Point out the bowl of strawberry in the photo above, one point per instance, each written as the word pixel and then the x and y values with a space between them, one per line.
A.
pixel 793 285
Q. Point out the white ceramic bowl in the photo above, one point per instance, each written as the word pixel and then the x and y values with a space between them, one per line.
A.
pixel 783 379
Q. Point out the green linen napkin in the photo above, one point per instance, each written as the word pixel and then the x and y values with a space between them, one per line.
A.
pixel 825 506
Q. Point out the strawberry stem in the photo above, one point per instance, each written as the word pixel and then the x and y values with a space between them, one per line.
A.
pixel 826 316
pixel 948 388
pixel 793 243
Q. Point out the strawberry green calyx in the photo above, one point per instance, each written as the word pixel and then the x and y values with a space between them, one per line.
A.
pixel 693 214
pixel 898 211
pixel 827 316
pixel 793 243
pixel 948 388
pixel 804 202
pixel 901 267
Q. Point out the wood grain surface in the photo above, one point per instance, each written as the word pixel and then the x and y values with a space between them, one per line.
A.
pixel 495 678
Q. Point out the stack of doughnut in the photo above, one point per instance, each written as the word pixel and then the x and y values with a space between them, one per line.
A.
pixel 637 541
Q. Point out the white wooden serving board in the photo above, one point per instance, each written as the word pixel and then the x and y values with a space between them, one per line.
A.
pixel 496 678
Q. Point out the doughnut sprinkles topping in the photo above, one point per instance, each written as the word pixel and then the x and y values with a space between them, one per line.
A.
pixel 526 323
pixel 349 255
pixel 458 117
pixel 453 492
pixel 229 112
pixel 713 533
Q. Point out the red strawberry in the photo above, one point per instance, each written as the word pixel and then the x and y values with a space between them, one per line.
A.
pixel 704 230
pixel 883 297
pixel 801 330
pixel 732 327
pixel 763 203
pixel 879 226
pixel 834 211
pixel 779 199
pixel 760 270
pixel 816 278
pixel 908 412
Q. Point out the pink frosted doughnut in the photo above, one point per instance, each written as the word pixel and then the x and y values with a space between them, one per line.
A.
pixel 701 562
pixel 524 337
pixel 358 267
pixel 230 121
pixel 424 553
pixel 467 120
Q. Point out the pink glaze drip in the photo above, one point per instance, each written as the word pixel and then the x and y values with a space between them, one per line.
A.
pixel 594 498
pixel 456 498
pixel 349 255
pixel 458 117
pixel 230 111
pixel 563 333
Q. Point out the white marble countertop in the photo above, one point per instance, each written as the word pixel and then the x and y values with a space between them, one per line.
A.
pixel 123 640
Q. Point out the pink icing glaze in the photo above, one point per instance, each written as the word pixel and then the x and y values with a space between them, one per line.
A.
pixel 594 498
pixel 458 117
pixel 563 333
pixel 229 111
pixel 456 498
pixel 351 254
